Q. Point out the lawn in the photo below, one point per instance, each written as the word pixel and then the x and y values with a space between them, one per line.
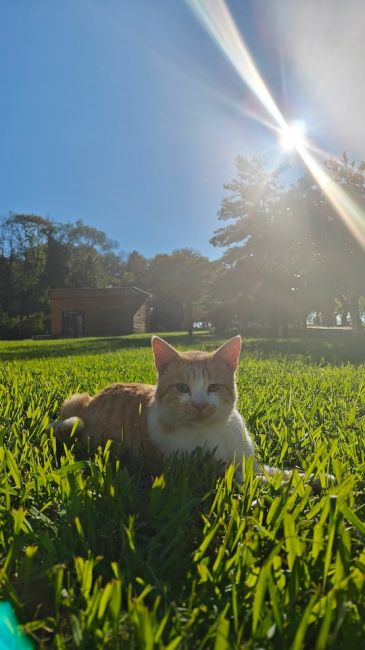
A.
pixel 95 554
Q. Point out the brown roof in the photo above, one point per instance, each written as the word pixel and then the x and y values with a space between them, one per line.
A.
pixel 117 292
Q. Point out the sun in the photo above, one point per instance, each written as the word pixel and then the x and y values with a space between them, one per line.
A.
pixel 292 136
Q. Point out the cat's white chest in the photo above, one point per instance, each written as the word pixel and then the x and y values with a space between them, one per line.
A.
pixel 229 439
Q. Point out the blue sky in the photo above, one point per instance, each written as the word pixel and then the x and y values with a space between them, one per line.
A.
pixel 125 113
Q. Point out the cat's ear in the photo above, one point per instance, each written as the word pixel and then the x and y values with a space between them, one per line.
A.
pixel 229 353
pixel 163 352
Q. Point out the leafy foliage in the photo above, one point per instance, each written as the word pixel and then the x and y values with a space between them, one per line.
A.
pixel 97 554
pixel 37 255
pixel 288 252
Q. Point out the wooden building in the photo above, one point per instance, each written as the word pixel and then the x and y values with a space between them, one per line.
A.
pixel 99 312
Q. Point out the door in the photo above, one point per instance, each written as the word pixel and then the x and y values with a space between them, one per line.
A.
pixel 73 323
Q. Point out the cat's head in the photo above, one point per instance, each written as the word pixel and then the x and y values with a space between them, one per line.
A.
pixel 195 388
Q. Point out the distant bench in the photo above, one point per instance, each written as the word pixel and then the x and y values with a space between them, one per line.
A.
pixel 42 337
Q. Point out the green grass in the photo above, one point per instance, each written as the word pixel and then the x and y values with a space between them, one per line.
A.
pixel 95 554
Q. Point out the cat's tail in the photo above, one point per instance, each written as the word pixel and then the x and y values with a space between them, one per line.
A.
pixel 74 406
pixel 314 481
pixel 71 417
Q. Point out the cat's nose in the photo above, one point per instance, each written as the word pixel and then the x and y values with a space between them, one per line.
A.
pixel 200 405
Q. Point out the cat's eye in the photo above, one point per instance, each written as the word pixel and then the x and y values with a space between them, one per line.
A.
pixel 212 388
pixel 182 388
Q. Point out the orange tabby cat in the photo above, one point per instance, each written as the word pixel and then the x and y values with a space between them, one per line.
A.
pixel 193 405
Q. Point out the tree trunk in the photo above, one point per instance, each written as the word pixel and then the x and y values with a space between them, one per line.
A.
pixel 355 315
pixel 188 309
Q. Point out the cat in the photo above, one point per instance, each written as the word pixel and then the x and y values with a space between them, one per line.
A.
pixel 193 405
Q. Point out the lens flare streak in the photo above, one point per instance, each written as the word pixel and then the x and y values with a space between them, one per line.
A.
pixel 219 23
pixel 217 20
pixel 349 211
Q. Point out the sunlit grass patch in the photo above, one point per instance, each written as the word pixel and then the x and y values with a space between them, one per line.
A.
pixel 98 554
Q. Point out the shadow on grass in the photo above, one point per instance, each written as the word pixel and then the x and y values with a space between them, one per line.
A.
pixel 318 346
pixel 149 527
pixel 13 350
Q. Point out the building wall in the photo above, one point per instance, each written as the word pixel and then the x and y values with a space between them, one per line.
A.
pixel 108 312
pixel 140 319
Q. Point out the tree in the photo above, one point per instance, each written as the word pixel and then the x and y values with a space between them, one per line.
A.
pixel 136 271
pixel 289 252
pixel 179 278
pixel 37 255
pixel 258 264
pixel 335 269
pixel 92 257
pixel 23 256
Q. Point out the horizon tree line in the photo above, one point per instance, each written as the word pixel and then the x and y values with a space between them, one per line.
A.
pixel 286 254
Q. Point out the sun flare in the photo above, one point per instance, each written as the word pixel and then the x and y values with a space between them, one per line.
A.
pixel 216 17
pixel 292 136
